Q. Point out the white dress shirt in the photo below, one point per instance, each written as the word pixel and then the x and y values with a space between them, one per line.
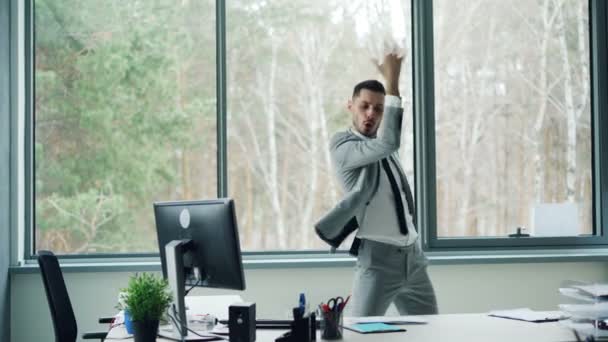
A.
pixel 380 222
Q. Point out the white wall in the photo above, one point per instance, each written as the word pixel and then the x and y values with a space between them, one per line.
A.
pixel 460 288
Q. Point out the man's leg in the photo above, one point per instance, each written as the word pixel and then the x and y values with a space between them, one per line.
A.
pixel 417 296
pixel 377 279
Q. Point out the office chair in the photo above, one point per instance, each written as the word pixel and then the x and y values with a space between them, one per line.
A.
pixel 64 321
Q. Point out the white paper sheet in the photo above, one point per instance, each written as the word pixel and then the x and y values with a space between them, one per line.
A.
pixel 526 314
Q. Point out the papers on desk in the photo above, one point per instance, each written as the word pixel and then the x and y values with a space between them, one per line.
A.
pixel 594 290
pixel 589 313
pixel 576 294
pixel 585 329
pixel 395 320
pixel 592 301
pixel 528 315
pixel 586 311
pixel 213 305
pixel 593 293
pixel 118 332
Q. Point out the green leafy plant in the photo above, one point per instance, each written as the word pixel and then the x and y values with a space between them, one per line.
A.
pixel 147 297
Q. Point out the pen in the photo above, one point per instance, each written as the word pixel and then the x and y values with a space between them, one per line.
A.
pixel 302 303
pixel 343 304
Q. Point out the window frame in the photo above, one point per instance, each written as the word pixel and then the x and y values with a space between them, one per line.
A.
pixel 29 136
pixel 425 157
pixel 424 151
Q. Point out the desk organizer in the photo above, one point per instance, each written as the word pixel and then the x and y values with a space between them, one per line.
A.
pixel 303 329
pixel 587 309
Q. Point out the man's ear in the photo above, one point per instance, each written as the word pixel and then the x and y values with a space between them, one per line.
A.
pixel 349 105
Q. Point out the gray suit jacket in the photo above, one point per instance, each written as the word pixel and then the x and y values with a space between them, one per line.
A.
pixel 356 163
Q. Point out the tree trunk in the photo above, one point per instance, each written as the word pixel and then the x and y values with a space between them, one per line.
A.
pixel 571 112
pixel 539 159
pixel 273 181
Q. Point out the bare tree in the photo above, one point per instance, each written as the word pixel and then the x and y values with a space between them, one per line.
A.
pixel 313 47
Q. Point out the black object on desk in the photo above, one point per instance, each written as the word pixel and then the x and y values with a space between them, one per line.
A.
pixel 303 328
pixel 279 324
pixel 241 322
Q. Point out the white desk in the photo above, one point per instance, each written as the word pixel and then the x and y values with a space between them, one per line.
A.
pixel 472 328
pixel 455 328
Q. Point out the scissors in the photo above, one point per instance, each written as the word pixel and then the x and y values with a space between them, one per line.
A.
pixel 335 304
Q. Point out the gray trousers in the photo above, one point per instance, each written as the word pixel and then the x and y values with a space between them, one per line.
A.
pixel 387 273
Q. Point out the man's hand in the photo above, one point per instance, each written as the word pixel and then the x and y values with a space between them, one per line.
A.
pixel 390 70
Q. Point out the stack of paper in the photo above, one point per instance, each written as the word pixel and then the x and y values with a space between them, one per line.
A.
pixel 594 290
pixel 589 313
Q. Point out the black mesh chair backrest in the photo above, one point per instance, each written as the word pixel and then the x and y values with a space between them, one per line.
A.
pixel 62 313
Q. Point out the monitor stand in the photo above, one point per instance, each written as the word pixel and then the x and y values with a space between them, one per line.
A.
pixel 175 251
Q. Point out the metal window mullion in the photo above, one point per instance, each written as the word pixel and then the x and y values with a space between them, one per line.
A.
pixel 29 134
pixel 13 206
pixel 599 102
pixel 424 119
pixel 222 130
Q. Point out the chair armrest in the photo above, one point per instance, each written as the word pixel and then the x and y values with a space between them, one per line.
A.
pixel 94 335
pixel 106 320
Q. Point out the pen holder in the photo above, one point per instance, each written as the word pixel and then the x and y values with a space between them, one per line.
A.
pixel 331 325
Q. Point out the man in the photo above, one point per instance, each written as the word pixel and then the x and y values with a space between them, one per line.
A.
pixel 391 266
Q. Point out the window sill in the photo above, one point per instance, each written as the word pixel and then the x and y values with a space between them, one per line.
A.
pixel 517 256
pixel 333 260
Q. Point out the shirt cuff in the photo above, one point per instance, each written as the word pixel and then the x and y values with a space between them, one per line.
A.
pixel 392 101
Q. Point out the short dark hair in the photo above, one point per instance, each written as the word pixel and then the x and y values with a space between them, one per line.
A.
pixel 372 85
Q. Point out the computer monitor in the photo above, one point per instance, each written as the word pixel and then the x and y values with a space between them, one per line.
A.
pixel 199 246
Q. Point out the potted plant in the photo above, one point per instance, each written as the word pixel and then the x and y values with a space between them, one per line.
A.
pixel 147 298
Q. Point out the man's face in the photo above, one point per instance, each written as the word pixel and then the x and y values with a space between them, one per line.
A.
pixel 367 109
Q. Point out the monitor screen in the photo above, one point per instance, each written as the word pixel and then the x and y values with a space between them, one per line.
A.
pixel 214 250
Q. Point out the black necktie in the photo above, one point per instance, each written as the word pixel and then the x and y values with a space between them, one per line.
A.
pixel 397 194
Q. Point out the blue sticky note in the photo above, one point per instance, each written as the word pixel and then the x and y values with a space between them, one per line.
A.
pixel 367 328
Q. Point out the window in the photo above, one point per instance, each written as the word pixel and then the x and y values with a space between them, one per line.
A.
pixel 513 118
pixel 124 101
pixel 291 70
pixel 504 105
pixel 125 115
pixel 512 138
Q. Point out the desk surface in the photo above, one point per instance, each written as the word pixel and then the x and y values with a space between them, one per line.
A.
pixel 456 327
pixel 453 327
